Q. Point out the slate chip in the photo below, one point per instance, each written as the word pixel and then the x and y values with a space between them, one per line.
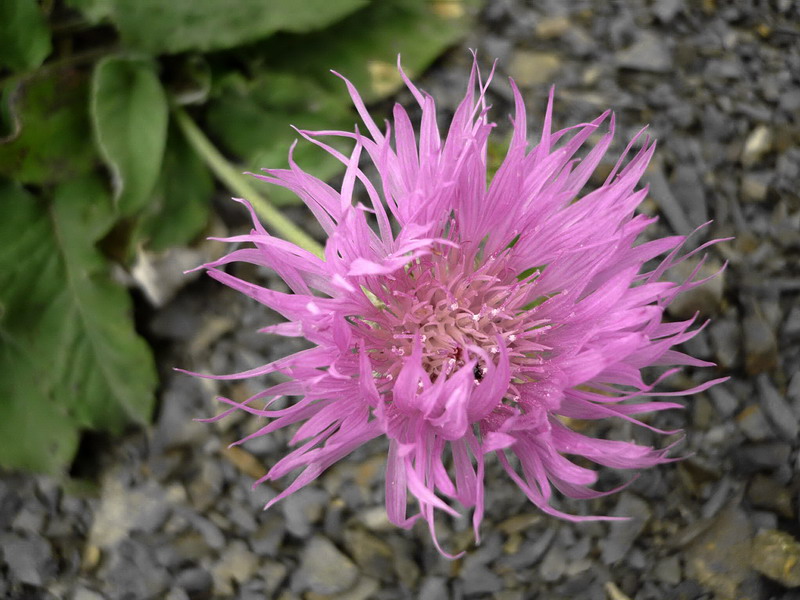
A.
pixel 324 568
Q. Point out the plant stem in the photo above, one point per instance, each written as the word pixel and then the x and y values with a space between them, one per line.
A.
pixel 240 186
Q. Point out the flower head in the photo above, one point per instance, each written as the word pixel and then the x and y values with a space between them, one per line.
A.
pixel 459 318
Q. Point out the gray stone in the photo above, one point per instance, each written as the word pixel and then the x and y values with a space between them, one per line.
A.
pixel 753 423
pixel 762 519
pixel 252 590
pixel 531 551
pixel 762 456
pixel 433 588
pixel 132 572
pixel 266 540
pixel 181 402
pixel 757 144
pixel 668 570
pixel 84 593
pixel 30 518
pixel 706 298
pixel 123 510
pixel 273 573
pixel 489 550
pixel 30 558
pixel 177 593
pixel 364 589
pixel 649 53
pixel 196 582
pixel 755 186
pixel 242 517
pixel 728 68
pixel 372 555
pixel 720 496
pixel 50 492
pixel 718 557
pixel 206 486
pixel 404 564
pixel 666 10
pixel 667 203
pixel 791 326
pixel 554 564
pixel 211 533
pixel 533 68
pixel 480 581
pixel 793 392
pixel 777 410
pixel 579 42
pixel 726 339
pixel 688 188
pixel 324 569
pixel 580 549
pixel 552 27
pixel 724 401
pixel 304 509
pixel 761 347
pixel 622 534
pixel 236 566
pixel 765 492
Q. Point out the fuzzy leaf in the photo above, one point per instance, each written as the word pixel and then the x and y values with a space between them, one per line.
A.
pixel 24 38
pixel 46 122
pixel 252 120
pixel 68 322
pixel 36 433
pixel 158 27
pixel 94 10
pixel 182 199
pixel 129 117
pixel 364 47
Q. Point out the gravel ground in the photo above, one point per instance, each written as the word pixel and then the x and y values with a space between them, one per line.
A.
pixel 169 513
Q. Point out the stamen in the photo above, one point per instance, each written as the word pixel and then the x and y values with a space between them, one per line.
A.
pixel 449 305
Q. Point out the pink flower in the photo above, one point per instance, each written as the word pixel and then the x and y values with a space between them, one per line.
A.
pixel 460 319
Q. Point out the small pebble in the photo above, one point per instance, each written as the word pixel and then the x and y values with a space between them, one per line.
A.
pixel 324 569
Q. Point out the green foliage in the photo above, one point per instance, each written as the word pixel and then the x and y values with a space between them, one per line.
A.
pixel 157 27
pixel 129 119
pixel 24 38
pixel 100 148
pixel 70 324
pixel 251 116
pixel 252 120
pixel 47 123
pixel 179 209
pixel 365 46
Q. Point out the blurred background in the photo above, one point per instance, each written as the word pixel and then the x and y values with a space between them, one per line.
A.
pixel 125 126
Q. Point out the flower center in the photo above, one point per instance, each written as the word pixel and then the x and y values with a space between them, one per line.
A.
pixel 452 308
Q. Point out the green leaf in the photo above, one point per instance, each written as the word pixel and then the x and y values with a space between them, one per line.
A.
pixel 181 203
pixel 364 46
pixel 70 322
pixel 36 434
pixel 253 119
pixel 47 124
pixel 94 10
pixel 24 37
pixel 129 117
pixel 157 26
